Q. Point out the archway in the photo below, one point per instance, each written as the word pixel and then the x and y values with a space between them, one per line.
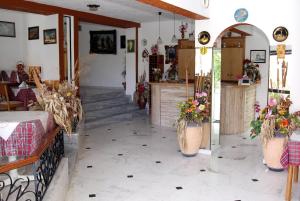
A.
pixel 249 40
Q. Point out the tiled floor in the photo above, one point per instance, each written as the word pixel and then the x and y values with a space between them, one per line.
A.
pixel 135 161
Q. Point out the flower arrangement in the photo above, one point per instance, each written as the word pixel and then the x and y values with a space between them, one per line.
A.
pixel 194 110
pixel 275 119
pixel 252 71
pixel 154 49
pixel 63 104
pixel 142 91
pixel 183 29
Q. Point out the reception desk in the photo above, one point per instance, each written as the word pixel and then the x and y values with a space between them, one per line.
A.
pixel 164 100
pixel 237 108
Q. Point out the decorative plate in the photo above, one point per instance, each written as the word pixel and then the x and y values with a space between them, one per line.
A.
pixel 280 34
pixel 203 37
pixel 144 42
pixel 241 15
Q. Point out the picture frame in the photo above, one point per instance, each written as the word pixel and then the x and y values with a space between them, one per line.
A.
pixel 33 33
pixel 123 42
pixel 130 46
pixel 258 56
pixel 170 54
pixel 103 42
pixel 49 36
pixel 7 29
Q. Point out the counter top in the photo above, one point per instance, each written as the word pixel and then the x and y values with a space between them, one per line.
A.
pixel 226 84
pixel 170 83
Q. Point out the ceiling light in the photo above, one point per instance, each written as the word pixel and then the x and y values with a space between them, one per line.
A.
pixel 93 7
pixel 174 39
pixel 159 40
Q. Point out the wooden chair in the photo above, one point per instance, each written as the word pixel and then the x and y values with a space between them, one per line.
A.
pixel 5 103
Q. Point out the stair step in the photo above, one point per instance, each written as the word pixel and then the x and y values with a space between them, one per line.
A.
pixel 92 115
pixel 106 104
pixel 102 97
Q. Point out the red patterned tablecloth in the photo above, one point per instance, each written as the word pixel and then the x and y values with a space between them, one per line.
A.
pixel 25 95
pixel 26 138
pixel 291 154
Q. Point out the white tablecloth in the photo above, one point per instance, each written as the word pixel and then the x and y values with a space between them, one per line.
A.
pixel 10 120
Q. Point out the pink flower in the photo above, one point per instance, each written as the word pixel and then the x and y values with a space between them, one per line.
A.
pixel 197 95
pixel 195 102
pixel 272 102
pixel 269 114
pixel 202 94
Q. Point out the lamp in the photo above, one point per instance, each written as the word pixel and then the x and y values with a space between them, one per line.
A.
pixel 174 39
pixel 93 7
pixel 159 40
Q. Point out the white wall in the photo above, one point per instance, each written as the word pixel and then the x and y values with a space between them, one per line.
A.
pixel 11 49
pixel 100 69
pixel 195 6
pixel 149 31
pixel 36 53
pixel 266 16
pixel 31 52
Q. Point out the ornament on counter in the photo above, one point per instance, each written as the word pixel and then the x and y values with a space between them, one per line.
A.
pixel 203 37
pixel 203 50
pixel 280 50
pixel 280 34
pixel 241 15
pixel 183 29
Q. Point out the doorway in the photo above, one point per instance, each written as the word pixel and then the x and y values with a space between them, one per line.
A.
pixel 68 49
pixel 248 39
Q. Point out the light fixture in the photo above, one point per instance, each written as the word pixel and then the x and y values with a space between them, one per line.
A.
pixel 174 39
pixel 93 7
pixel 159 40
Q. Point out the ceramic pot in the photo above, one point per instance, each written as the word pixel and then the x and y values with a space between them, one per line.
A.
pixel 205 142
pixel 273 150
pixel 190 140
pixel 142 103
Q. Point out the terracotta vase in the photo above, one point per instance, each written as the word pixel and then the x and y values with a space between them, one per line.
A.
pixel 273 150
pixel 205 142
pixel 142 103
pixel 190 140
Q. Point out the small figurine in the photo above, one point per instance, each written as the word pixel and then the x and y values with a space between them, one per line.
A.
pixel 23 76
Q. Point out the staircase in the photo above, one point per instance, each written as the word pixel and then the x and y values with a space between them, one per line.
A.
pixel 103 106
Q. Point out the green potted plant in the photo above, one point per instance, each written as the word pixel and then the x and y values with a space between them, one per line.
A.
pixel 274 125
pixel 192 113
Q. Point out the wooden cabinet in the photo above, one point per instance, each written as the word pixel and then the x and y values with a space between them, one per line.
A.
pixel 155 61
pixel 232 58
pixel 186 59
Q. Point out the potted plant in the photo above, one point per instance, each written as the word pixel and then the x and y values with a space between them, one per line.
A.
pixel 142 91
pixel 189 124
pixel 274 125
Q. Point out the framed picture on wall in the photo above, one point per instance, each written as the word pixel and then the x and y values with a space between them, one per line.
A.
pixel 123 42
pixel 170 54
pixel 33 33
pixel 130 46
pixel 103 42
pixel 7 29
pixel 258 56
pixel 49 36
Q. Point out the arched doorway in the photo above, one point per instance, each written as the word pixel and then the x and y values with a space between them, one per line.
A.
pixel 237 42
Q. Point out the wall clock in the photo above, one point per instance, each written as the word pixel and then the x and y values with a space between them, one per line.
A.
pixel 280 34
pixel 241 15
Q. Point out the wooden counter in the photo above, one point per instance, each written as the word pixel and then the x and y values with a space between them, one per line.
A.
pixel 237 108
pixel 164 99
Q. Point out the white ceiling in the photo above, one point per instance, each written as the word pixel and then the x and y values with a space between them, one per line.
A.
pixel 131 10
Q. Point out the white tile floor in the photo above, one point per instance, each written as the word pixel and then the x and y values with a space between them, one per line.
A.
pixel 150 155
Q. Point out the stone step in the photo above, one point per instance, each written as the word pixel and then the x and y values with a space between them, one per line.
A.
pixel 102 97
pixel 98 114
pixel 107 121
pixel 106 104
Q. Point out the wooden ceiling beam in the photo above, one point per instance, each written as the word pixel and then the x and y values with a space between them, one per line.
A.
pixel 174 9
pixel 38 8
pixel 235 30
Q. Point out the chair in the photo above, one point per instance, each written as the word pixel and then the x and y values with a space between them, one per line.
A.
pixel 13 77
pixel 5 103
pixel 4 76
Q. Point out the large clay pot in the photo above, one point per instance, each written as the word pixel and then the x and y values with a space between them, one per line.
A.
pixel 273 150
pixel 190 140
pixel 205 142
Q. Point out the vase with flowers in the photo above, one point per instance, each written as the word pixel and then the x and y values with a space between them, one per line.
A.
pixel 142 92
pixel 274 125
pixel 183 29
pixel 192 113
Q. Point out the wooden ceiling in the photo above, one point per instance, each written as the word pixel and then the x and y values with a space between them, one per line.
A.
pixel 38 8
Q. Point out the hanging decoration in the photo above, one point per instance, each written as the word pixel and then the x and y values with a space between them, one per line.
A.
pixel 280 49
pixel 145 55
pixel 241 15
pixel 203 50
pixel 280 34
pixel 183 29
pixel 203 37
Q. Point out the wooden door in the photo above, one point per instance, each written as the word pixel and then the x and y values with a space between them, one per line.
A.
pixel 232 63
pixel 186 58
